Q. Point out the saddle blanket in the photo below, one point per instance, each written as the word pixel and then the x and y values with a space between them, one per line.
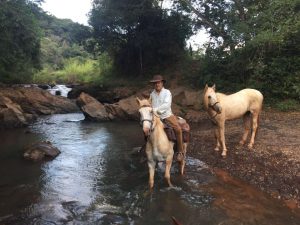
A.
pixel 185 127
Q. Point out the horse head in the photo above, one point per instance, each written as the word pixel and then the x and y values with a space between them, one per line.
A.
pixel 210 99
pixel 146 115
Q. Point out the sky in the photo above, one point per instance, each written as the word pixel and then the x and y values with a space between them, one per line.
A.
pixel 77 10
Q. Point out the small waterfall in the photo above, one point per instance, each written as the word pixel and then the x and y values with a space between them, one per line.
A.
pixel 60 89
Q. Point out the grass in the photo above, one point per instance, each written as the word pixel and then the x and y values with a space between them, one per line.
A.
pixel 76 70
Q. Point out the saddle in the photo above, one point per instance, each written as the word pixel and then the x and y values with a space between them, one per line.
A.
pixel 185 127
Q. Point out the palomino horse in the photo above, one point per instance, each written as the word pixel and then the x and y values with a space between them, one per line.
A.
pixel 221 107
pixel 158 146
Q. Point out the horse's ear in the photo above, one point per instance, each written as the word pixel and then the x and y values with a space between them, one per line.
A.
pixel 138 100
pixel 150 100
pixel 214 87
pixel 205 89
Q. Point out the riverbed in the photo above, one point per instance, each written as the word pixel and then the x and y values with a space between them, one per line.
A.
pixel 98 180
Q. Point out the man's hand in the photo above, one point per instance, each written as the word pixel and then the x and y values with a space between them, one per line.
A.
pixel 156 111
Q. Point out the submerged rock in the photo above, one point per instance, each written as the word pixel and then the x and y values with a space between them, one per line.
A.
pixel 41 150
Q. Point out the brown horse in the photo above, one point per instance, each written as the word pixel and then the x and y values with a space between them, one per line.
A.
pixel 158 146
pixel 246 103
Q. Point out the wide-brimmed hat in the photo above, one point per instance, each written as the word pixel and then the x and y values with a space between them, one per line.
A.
pixel 157 78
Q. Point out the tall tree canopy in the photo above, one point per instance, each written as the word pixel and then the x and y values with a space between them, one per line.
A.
pixel 253 42
pixel 139 35
pixel 19 40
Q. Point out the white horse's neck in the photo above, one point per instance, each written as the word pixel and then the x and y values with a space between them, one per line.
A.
pixel 158 133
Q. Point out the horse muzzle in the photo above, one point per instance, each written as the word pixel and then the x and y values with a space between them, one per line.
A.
pixel 218 109
pixel 146 131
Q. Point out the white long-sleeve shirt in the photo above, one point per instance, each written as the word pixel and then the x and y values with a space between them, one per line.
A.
pixel 161 102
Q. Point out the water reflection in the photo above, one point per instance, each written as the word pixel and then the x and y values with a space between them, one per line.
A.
pixel 96 180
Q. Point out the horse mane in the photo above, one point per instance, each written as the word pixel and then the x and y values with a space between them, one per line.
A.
pixel 145 102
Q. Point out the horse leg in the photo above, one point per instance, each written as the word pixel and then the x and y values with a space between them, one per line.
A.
pixel 222 138
pixel 168 168
pixel 182 163
pixel 254 128
pixel 217 136
pixel 247 127
pixel 151 166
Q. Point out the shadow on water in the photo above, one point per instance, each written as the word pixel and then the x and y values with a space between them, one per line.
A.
pixel 97 180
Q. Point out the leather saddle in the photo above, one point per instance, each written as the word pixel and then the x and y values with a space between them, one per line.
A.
pixel 185 127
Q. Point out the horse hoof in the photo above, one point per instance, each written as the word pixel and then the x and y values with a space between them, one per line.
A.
pixel 217 149
pixel 224 155
pixel 250 146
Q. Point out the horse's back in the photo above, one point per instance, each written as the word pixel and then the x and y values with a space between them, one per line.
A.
pixel 239 103
pixel 255 98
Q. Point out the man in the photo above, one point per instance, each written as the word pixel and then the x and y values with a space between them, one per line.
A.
pixel 161 100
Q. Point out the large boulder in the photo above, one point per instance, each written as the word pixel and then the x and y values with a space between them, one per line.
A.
pixel 91 108
pixel 102 94
pixel 125 109
pixel 35 100
pixel 19 105
pixel 12 115
pixel 187 98
pixel 41 150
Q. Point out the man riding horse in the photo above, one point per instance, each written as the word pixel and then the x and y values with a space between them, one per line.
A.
pixel 161 100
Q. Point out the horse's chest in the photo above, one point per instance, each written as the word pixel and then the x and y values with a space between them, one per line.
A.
pixel 157 155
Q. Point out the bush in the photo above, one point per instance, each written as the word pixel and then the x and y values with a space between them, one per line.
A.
pixel 77 70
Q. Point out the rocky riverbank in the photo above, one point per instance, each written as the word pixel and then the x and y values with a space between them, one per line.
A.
pixel 272 166
pixel 19 106
pixel 186 103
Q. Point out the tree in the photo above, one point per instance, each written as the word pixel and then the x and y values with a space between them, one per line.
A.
pixel 139 35
pixel 253 43
pixel 19 40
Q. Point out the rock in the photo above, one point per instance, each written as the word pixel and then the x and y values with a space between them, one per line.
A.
pixel 125 109
pixel 102 94
pixel 11 114
pixel 19 106
pixel 44 86
pixel 187 98
pixel 91 108
pixel 41 150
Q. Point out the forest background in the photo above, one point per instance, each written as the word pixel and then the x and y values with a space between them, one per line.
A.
pixel 252 43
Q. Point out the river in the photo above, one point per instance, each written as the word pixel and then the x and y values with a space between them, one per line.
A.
pixel 97 180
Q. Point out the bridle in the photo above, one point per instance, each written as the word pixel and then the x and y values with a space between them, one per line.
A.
pixel 142 120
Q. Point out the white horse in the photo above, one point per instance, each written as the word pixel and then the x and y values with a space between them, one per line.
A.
pixel 158 146
pixel 221 107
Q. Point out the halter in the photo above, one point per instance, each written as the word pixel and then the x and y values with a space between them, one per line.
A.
pixel 212 118
pixel 151 121
pixel 143 120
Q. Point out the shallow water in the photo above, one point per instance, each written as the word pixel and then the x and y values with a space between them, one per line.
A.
pixel 97 180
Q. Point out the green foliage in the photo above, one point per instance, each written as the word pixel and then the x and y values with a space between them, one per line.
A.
pixel 139 36
pixel 19 41
pixel 77 70
pixel 255 44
